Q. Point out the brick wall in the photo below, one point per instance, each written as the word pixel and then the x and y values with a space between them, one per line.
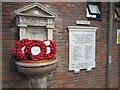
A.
pixel 67 13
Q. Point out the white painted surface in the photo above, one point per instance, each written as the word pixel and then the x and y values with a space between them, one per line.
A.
pixel 82 22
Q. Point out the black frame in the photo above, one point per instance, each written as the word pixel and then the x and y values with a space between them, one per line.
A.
pixel 98 15
pixel 117 11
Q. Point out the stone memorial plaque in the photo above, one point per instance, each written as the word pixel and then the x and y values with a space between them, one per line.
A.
pixel 37 33
pixel 81 49
pixel 35 22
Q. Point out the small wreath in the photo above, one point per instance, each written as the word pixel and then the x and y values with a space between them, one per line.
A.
pixel 19 49
pixel 51 49
pixel 36 50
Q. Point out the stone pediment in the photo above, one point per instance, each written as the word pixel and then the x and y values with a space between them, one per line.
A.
pixel 35 9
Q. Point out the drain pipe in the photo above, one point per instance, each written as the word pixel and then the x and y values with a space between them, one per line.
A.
pixel 109 44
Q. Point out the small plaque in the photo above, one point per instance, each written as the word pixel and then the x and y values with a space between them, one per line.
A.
pixel 35 50
pixel 82 22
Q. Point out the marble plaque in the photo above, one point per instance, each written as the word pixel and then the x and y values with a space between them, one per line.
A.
pixel 81 49
pixel 33 20
pixel 36 33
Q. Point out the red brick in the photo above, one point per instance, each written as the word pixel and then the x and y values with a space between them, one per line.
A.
pixel 67 13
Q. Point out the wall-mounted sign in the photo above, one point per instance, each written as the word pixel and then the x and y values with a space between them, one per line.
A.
pixel 81 48
pixel 35 22
pixel 83 22
pixel 117 11
pixel 93 10
pixel 118 36
pixel 37 33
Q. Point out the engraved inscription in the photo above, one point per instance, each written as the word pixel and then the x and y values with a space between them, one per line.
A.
pixel 32 20
pixel 82 50
pixel 83 65
pixel 82 38
pixel 88 51
pixel 77 55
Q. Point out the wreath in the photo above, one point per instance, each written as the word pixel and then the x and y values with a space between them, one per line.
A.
pixel 26 49
pixel 51 49
pixel 19 49
pixel 36 50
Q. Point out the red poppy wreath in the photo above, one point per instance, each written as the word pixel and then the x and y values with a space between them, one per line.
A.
pixel 19 49
pixel 51 49
pixel 36 50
